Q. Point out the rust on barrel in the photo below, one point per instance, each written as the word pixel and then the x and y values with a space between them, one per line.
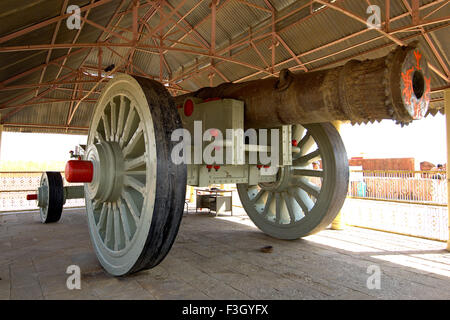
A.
pixel 396 87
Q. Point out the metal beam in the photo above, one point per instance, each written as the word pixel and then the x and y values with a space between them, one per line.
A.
pixel 358 18
pixel 44 126
pixel 90 91
pixel 52 88
pixel 293 55
pixel 44 84
pixel 55 33
pixel 46 102
pixel 37 68
pixel 49 22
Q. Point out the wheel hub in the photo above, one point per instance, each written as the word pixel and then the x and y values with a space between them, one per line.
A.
pixel 108 166
pixel 282 183
pixel 42 196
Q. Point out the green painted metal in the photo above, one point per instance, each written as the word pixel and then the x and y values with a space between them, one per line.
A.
pixel 121 195
pixel 73 192
pixel 126 204
pixel 308 194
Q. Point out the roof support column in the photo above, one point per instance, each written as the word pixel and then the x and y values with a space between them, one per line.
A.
pixel 447 125
pixel 338 222
pixel 1 130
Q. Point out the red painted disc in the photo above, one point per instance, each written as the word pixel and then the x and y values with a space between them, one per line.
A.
pixel 188 108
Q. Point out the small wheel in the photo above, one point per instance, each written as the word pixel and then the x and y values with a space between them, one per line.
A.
pixel 51 197
pixel 136 198
pixel 305 198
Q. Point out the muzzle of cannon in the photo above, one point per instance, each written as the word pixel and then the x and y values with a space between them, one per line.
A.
pixel 396 87
pixel 135 191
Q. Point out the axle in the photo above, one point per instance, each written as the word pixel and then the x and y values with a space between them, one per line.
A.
pixel 396 87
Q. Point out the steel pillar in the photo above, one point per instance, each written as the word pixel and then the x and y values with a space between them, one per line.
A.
pixel 447 123
pixel 339 222
pixel 1 130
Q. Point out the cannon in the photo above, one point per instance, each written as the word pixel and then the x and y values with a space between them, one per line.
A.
pixel 144 146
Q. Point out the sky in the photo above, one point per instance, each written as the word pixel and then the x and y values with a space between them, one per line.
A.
pixel 38 146
pixel 423 140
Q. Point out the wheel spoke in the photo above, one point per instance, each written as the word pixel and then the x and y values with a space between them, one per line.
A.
pixel 303 200
pixel 103 214
pixel 136 173
pixel 134 140
pixel 134 183
pixel 130 164
pixel 96 204
pixel 308 186
pixel 297 132
pixel 106 126
pixel 278 208
pixel 119 233
pixel 120 122
pixel 132 206
pixel 291 211
pixel 308 173
pixel 258 196
pixel 307 159
pixel 268 203
pixel 125 223
pixel 99 137
pixel 306 144
pixel 113 120
pixel 109 228
pixel 127 128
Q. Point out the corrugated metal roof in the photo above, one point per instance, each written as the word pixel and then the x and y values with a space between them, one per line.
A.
pixel 305 28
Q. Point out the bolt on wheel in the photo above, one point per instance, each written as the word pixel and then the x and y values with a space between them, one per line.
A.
pixel 135 199
pixel 307 196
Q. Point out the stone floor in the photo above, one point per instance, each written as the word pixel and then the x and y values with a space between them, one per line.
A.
pixel 220 258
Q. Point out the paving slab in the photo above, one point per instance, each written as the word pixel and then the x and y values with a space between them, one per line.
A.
pixel 220 258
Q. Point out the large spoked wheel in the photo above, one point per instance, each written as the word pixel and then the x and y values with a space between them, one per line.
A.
pixel 135 200
pixel 308 195
pixel 51 197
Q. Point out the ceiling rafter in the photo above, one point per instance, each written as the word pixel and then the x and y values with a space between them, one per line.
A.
pixel 208 51
pixel 47 22
pixel 37 68
pixel 52 88
pixel 71 111
pixel 365 30
pixel 415 14
pixel 362 20
pixel 55 33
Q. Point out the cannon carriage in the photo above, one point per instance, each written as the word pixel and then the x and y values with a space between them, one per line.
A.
pixel 144 146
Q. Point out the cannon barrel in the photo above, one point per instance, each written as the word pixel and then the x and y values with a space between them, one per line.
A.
pixel 396 87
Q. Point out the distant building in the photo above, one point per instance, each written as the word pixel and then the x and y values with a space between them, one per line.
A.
pixel 383 164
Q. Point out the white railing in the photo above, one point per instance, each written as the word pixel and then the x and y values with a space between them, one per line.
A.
pixel 14 187
pixel 408 202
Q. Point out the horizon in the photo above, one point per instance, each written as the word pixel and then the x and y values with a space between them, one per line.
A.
pixel 423 140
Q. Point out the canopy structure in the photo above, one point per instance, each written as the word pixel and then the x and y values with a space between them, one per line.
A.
pixel 53 69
